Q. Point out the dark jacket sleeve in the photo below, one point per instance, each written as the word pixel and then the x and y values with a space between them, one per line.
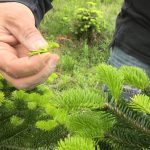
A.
pixel 38 7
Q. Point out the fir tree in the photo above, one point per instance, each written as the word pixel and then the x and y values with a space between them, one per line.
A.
pixel 85 118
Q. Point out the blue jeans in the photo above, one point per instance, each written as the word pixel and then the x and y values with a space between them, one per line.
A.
pixel 119 58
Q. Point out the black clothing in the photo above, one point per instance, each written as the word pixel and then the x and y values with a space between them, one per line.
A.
pixel 38 7
pixel 133 29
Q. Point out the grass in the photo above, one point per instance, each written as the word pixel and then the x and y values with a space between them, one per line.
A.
pixel 78 59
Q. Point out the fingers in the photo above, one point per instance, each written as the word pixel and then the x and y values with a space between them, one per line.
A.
pixel 23 28
pixel 23 72
pixel 11 40
pixel 6 37
pixel 21 50
pixel 32 81
pixel 30 37
pixel 21 67
pixel 25 66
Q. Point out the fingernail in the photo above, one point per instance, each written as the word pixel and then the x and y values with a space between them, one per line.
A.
pixel 54 58
pixel 39 44
pixel 46 57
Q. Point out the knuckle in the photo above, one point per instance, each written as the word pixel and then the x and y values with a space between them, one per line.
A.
pixel 32 67
pixel 11 18
pixel 29 32
pixel 11 70
pixel 36 68
pixel 20 86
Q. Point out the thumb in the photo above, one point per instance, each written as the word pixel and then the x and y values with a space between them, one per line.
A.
pixel 23 28
pixel 32 39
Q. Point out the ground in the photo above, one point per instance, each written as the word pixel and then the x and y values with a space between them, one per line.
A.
pixel 77 58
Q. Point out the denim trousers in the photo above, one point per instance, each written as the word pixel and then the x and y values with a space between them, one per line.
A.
pixel 118 58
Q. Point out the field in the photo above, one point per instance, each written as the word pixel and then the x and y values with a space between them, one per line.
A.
pixel 77 58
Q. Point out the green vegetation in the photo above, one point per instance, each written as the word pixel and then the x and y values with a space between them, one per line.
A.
pixel 51 46
pixel 77 57
pixel 88 23
pixel 78 118
pixel 74 143
pixel 71 111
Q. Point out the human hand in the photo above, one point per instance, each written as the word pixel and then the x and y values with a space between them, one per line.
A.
pixel 18 36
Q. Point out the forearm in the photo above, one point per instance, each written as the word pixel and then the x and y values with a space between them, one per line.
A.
pixel 38 7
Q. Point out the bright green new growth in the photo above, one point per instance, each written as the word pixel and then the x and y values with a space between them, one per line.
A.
pixel 89 124
pixel 32 105
pixel 92 4
pixel 76 143
pixel 78 99
pixel 135 77
pixel 16 121
pixel 2 98
pixel 46 125
pixel 132 127
pixel 51 45
pixel 141 103
pixel 40 118
pixel 115 78
pixel 89 22
pixel 52 77
pixel 112 78
pixel 21 116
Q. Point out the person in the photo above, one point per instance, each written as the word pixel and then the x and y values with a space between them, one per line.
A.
pixel 131 42
pixel 19 35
